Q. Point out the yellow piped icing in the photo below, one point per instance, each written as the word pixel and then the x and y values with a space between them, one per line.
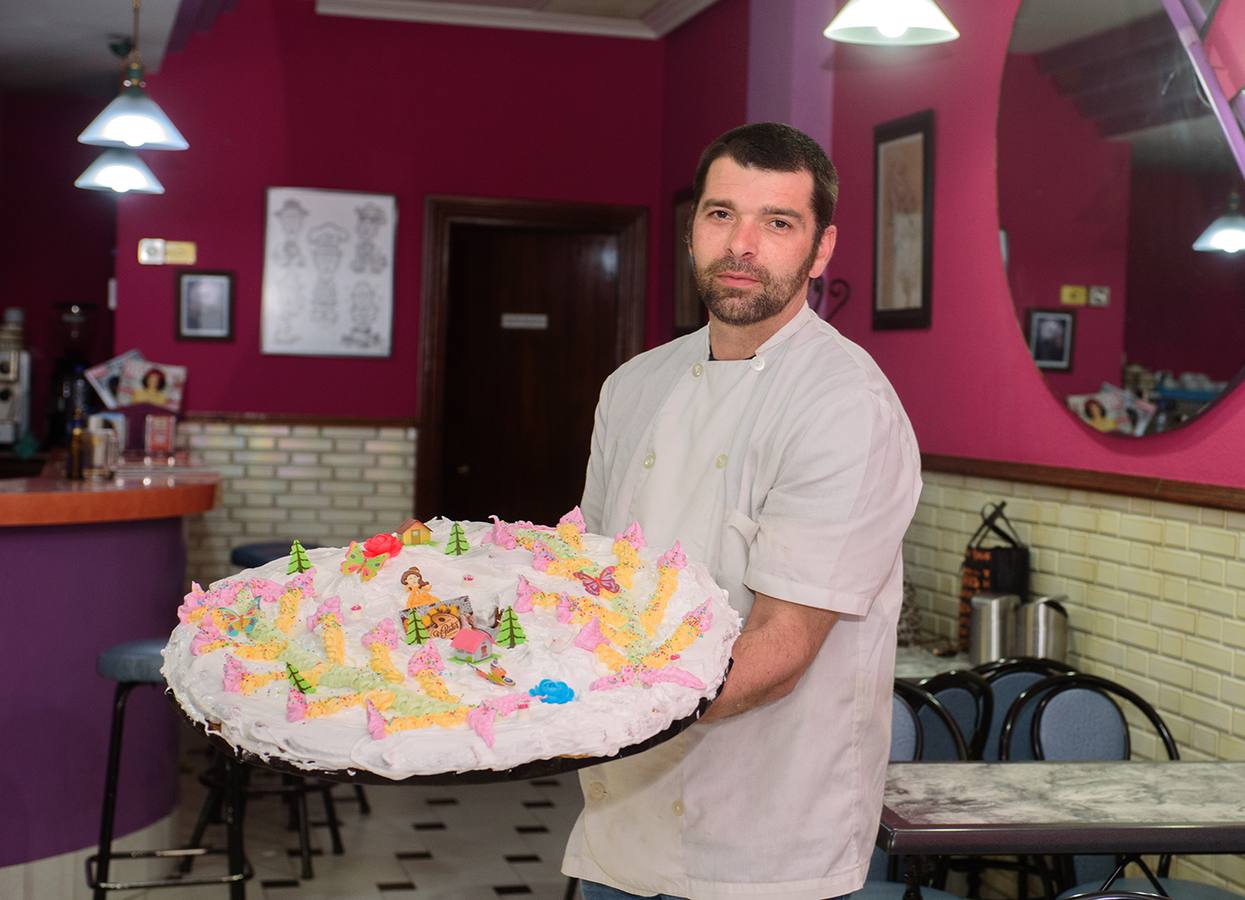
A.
pixel 287 610
pixel 269 650
pixel 334 640
pixel 382 663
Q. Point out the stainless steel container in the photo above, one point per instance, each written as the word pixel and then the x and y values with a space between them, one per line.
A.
pixel 991 627
pixel 1043 628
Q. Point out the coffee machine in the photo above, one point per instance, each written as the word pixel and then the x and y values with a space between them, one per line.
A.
pixel 14 379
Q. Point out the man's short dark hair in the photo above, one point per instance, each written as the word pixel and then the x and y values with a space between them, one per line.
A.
pixel 775 147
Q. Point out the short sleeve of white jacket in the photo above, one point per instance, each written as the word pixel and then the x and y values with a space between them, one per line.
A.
pixel 834 518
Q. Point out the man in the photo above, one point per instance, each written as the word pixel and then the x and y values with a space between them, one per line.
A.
pixel 777 452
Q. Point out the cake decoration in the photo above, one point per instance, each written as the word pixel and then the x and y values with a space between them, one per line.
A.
pixel 414 533
pixel 554 642
pixel 298 559
pixel 509 630
pixel 457 544
pixel 357 562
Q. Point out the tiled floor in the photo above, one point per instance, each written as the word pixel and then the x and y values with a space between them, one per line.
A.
pixel 473 842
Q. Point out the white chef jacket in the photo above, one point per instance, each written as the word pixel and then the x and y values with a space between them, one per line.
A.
pixel 794 473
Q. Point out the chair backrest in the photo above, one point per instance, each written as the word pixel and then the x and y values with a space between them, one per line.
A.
pixel 905 731
pixel 969 699
pixel 940 737
pixel 1007 678
pixel 1071 717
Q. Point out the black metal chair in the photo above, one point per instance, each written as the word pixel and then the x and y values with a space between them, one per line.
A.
pixel 1007 678
pixel 1078 717
pixel 130 665
pixel 968 698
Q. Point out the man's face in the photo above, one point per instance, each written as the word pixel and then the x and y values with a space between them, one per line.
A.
pixel 754 241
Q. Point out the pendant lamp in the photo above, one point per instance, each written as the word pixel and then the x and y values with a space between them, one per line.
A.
pixel 897 22
pixel 133 120
pixel 120 171
pixel 1227 233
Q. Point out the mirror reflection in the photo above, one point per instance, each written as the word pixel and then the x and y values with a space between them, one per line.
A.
pixel 1111 166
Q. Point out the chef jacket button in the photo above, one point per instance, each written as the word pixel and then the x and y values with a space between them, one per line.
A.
pixel 677 806
pixel 720 462
pixel 649 460
pixel 697 370
pixel 758 363
pixel 596 791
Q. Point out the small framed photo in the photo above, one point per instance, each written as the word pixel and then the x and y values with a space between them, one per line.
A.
pixel 204 306
pixel 903 225
pixel 1050 333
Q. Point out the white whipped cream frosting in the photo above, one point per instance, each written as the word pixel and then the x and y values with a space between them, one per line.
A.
pixel 597 723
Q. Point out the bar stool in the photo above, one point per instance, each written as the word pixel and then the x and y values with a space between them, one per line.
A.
pixel 131 664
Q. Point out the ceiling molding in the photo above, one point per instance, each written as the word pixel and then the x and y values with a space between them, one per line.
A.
pixel 670 15
pixel 655 24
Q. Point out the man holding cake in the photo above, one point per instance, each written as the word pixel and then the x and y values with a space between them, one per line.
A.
pixel 776 451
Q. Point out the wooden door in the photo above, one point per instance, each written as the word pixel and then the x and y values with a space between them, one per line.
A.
pixel 537 313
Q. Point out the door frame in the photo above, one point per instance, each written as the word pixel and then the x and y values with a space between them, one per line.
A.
pixel 441 214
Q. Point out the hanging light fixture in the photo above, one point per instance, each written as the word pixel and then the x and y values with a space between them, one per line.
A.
pixel 120 171
pixel 133 120
pixel 1227 233
pixel 898 22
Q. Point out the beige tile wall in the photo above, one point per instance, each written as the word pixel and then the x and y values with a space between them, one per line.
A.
pixel 323 484
pixel 1156 601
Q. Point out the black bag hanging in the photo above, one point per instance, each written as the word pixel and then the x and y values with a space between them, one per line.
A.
pixel 1003 569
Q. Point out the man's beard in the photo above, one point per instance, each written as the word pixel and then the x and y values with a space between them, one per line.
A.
pixel 738 306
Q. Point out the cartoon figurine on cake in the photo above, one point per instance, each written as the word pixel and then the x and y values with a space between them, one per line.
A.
pixel 463 646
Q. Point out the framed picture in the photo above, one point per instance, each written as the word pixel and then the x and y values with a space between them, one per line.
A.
pixel 204 306
pixel 689 312
pixel 903 226
pixel 1050 333
pixel 328 273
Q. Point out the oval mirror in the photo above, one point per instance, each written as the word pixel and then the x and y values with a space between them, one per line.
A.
pixel 1111 166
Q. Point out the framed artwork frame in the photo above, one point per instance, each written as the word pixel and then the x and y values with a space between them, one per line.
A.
pixel 1050 334
pixel 204 309
pixel 903 224
pixel 689 312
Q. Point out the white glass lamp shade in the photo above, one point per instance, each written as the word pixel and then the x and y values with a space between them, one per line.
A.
pixel 900 22
pixel 134 121
pixel 1227 233
pixel 120 171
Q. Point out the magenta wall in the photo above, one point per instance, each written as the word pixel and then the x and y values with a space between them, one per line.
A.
pixel 1174 289
pixel 968 382
pixel 1226 47
pixel 1059 236
pixel 275 95
pixel 59 247
pixel 702 100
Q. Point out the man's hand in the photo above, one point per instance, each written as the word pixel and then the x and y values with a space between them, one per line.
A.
pixel 777 644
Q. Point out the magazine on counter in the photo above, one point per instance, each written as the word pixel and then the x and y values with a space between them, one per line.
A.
pixel 144 381
pixel 1113 409
pixel 106 377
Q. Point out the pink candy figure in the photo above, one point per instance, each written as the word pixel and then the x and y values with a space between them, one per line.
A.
pixel 633 536
pixel 330 607
pixel 590 637
pixel 384 633
pixel 502 534
pixel 296 706
pixel 523 596
pixel 427 658
pixel 576 518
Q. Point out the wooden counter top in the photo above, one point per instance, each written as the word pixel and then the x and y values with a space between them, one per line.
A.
pixel 56 501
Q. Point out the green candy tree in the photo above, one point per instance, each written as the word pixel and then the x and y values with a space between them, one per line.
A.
pixel 416 632
pixel 457 544
pixel 509 629
pixel 297 679
pixel 298 559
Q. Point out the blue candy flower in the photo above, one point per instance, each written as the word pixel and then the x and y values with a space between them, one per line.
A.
pixel 550 691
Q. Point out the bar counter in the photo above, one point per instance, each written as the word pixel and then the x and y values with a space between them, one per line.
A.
pixel 86 565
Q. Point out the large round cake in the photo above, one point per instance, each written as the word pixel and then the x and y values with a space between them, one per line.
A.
pixel 453 647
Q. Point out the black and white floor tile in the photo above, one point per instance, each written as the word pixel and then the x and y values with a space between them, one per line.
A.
pixel 470 842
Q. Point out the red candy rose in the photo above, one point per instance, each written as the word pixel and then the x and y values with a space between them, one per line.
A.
pixel 382 543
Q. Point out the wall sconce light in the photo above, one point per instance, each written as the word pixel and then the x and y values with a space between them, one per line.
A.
pixel 897 22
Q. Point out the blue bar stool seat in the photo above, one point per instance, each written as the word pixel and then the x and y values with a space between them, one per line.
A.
pixel 251 556
pixel 132 664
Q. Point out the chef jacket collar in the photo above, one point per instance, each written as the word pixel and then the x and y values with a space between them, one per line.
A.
pixel 797 322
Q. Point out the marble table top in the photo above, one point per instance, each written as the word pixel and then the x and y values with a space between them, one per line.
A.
pixel 1064 807
pixel 915 663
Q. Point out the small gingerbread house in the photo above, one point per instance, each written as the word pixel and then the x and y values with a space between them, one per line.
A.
pixel 472 645
pixel 413 531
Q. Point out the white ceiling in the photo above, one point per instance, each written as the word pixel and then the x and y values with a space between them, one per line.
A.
pixel 63 44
